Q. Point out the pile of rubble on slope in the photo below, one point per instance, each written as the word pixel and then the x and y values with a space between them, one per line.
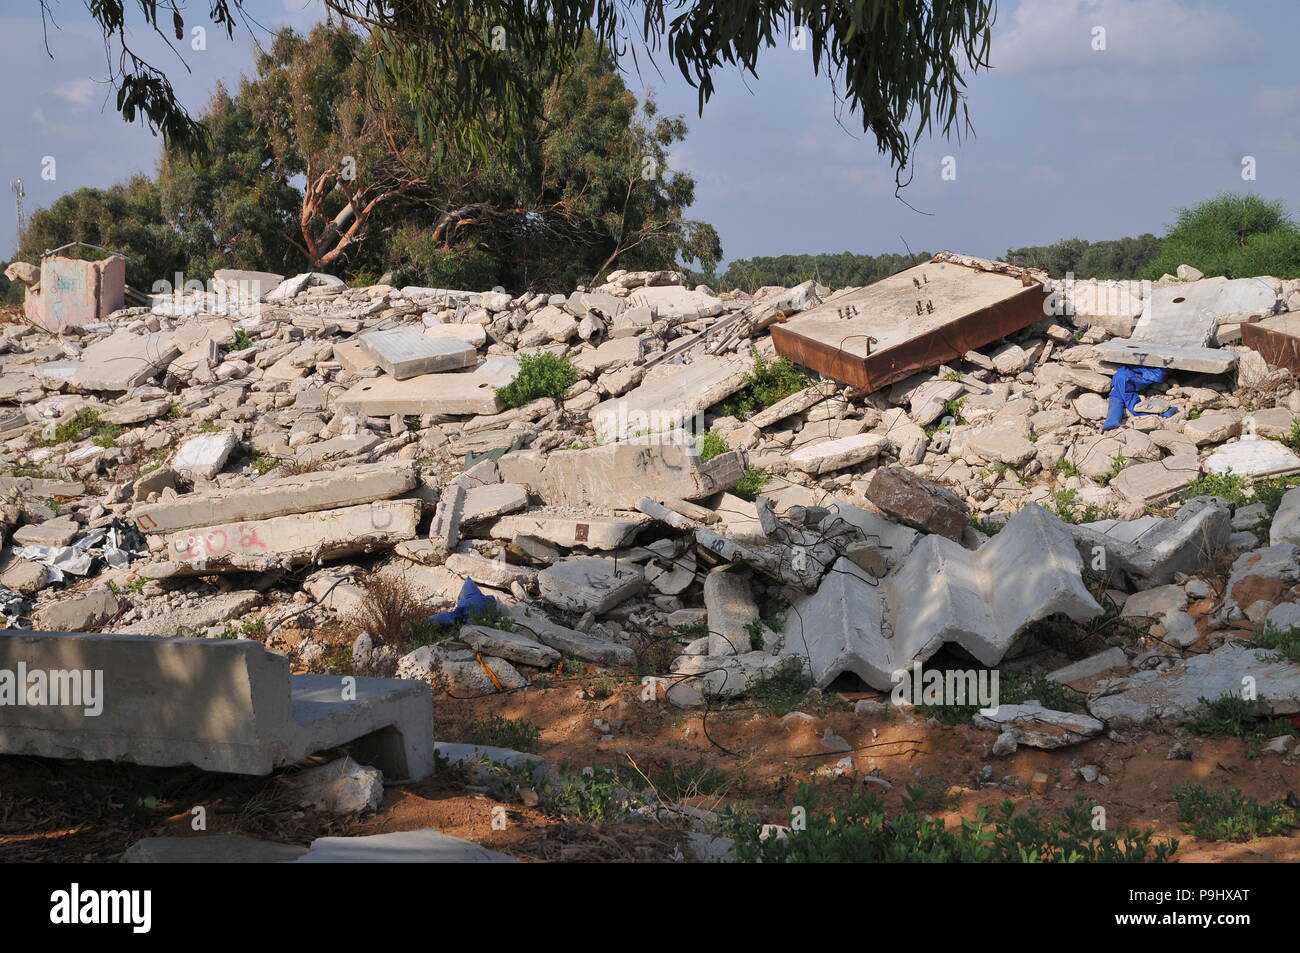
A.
pixel 172 469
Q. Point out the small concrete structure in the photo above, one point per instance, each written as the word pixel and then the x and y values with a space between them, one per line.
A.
pixel 218 704
pixel 73 293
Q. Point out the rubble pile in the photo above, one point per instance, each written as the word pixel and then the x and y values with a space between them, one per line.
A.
pixel 253 460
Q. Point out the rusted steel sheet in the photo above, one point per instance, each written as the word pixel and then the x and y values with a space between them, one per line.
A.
pixel 874 336
pixel 1277 340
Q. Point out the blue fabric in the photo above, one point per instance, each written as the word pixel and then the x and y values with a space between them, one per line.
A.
pixel 1125 392
pixel 470 600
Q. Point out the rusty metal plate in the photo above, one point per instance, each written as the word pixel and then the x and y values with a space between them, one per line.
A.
pixel 912 321
pixel 1277 340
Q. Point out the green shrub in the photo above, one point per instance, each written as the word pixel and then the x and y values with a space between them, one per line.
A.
pixel 1229 815
pixel 1238 236
pixel 768 381
pixel 711 444
pixel 751 483
pixel 597 794
pixel 781 689
pixel 861 832
pixel 540 375
pixel 497 732
pixel 1285 643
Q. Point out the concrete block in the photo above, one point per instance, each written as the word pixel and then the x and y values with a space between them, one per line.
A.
pixel 589 583
pixel 914 501
pixel 202 457
pixel 405 352
pixel 305 493
pixel 616 475
pixel 731 609
pixel 218 704
pixel 828 455
pixel 340 787
pixel 566 641
pixel 444 530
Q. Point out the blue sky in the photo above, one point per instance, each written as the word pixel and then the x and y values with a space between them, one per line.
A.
pixel 1067 140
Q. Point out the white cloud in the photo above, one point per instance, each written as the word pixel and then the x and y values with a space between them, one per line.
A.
pixel 1150 33
pixel 79 92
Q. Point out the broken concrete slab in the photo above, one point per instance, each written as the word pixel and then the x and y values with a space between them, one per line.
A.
pixel 590 532
pixel 669 397
pixel 406 352
pixel 1149 483
pixel 676 303
pixel 1040 727
pixel 1148 552
pixel 916 502
pixel 1285 527
pixel 512 646
pixel 491 501
pixel 402 847
pixel 285 541
pixel 453 393
pixel 569 642
pixel 1175 696
pixel 1187 315
pixel 826 456
pixel 1202 360
pixel 210 849
pixel 218 704
pixel 1253 458
pixel 124 360
pixel 304 493
pixel 589 583
pixel 616 475
pixel 82 612
pixel 912 321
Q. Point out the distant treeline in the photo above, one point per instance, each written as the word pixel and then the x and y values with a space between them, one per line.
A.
pixel 1239 236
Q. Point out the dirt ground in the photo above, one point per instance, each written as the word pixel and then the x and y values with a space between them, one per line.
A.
pixel 91 812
